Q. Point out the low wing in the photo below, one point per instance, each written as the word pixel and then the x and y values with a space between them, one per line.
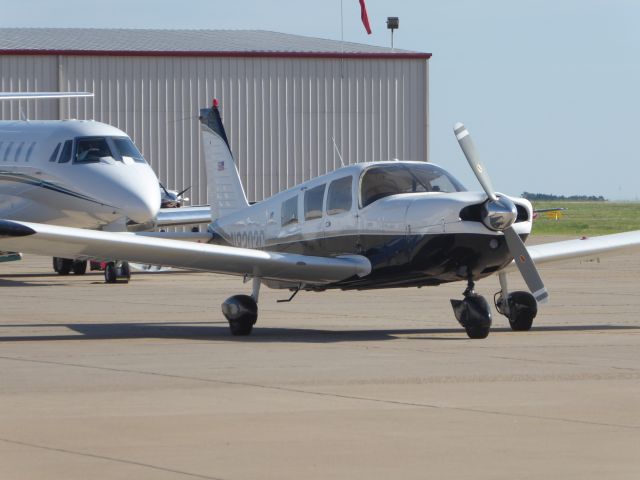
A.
pixel 583 248
pixel 171 217
pixel 78 243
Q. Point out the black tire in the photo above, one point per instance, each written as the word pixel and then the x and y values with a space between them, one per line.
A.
pixel 124 273
pixel 523 308
pixel 241 311
pixel 62 266
pixel 79 267
pixel 241 327
pixel 477 317
pixel 110 273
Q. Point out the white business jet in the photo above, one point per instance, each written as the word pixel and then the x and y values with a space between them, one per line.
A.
pixel 78 173
pixel 364 226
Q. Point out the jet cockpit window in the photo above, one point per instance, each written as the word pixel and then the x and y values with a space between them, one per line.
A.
pixel 126 148
pixel 65 155
pixel 54 155
pixel 289 213
pixel 92 149
pixel 392 179
pixel 339 197
pixel 313 202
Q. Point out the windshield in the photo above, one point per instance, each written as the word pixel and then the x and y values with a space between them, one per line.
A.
pixel 126 148
pixel 93 149
pixel 391 179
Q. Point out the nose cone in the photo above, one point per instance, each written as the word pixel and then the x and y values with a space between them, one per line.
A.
pixel 140 196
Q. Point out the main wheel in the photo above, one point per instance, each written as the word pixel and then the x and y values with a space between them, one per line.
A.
pixel 110 275
pixel 474 314
pixel 241 311
pixel 79 267
pixel 62 266
pixel 523 308
pixel 124 272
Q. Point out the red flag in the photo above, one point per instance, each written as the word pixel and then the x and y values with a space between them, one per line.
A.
pixel 365 17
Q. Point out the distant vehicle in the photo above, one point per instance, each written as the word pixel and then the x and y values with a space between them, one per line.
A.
pixel 365 226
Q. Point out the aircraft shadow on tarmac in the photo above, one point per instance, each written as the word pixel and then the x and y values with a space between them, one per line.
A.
pixel 220 332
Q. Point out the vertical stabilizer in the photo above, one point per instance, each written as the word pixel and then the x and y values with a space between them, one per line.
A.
pixel 225 193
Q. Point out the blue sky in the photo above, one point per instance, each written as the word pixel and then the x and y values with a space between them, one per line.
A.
pixel 548 89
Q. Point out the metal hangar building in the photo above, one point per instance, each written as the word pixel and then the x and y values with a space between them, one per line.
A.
pixel 285 99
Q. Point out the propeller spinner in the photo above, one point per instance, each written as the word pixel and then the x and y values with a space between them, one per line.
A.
pixel 499 214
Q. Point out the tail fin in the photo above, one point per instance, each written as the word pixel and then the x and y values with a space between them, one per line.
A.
pixel 225 192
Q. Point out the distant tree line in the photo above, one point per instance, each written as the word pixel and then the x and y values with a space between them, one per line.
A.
pixel 573 198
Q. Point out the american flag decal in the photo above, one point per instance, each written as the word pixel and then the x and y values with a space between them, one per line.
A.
pixel 221 166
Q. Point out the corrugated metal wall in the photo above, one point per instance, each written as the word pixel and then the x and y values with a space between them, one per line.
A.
pixel 280 113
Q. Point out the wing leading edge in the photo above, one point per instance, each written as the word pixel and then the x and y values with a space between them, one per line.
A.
pixel 68 242
pixel 583 248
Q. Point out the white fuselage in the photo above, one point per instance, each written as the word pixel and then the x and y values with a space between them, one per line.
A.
pixel 74 173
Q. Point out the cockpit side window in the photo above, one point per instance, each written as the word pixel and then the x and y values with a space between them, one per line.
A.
pixel 339 198
pixel 92 149
pixel 65 155
pixel 126 148
pixel 54 155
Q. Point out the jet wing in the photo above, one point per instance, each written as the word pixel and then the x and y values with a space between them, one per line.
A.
pixel 590 247
pixel 78 243
pixel 172 217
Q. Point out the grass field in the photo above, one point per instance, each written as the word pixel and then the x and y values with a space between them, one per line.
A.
pixel 587 218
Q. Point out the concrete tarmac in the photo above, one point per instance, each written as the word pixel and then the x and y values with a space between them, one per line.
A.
pixel 144 381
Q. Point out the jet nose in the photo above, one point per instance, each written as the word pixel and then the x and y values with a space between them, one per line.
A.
pixel 140 201
pixel 142 208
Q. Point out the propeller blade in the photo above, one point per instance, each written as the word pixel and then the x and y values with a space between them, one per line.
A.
pixel 526 266
pixel 183 191
pixel 469 150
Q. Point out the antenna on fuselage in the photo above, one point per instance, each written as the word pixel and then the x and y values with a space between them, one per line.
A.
pixel 335 145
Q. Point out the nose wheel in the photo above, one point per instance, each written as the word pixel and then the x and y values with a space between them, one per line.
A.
pixel 473 313
pixel 117 272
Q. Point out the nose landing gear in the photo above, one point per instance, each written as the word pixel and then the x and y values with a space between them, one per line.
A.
pixel 519 307
pixel 117 272
pixel 473 312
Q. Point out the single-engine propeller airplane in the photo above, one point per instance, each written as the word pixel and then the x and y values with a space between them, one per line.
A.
pixel 365 226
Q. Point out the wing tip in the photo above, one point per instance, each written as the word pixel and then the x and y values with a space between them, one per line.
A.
pixel 14 229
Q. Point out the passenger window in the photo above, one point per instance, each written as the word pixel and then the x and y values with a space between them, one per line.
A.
pixel 29 151
pixel 65 156
pixel 339 198
pixel 18 151
pixel 7 152
pixel 54 155
pixel 92 149
pixel 1 143
pixel 313 202
pixel 289 213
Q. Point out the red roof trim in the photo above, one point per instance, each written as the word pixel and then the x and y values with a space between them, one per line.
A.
pixel 190 53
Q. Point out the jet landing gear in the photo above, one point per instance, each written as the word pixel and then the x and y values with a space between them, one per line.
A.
pixel 519 307
pixel 241 311
pixel 473 312
pixel 64 266
pixel 117 272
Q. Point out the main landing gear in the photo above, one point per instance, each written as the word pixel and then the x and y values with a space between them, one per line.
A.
pixel 519 307
pixel 473 312
pixel 64 266
pixel 241 311
pixel 117 272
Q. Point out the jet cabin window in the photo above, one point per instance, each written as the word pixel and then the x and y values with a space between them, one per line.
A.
pixel 339 196
pixel 313 202
pixel 289 213
pixel 54 155
pixel 391 179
